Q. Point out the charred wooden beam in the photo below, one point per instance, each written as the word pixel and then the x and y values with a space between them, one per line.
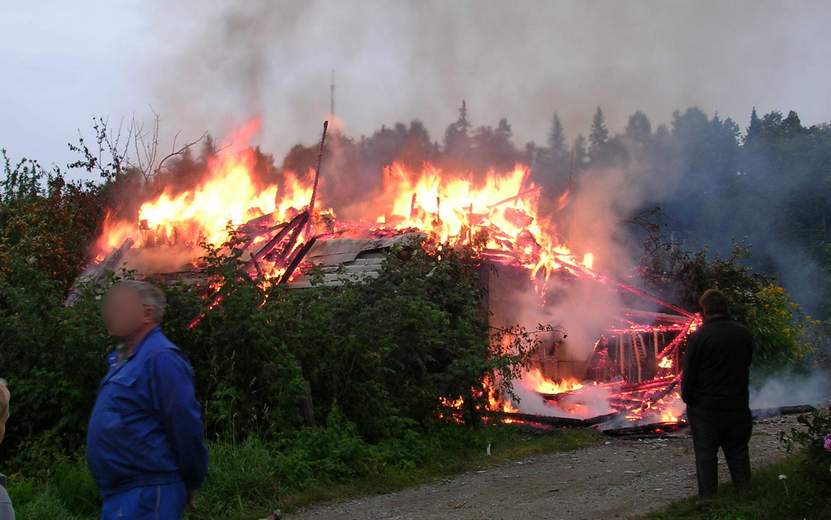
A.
pixel 555 421
pixel 317 171
pixel 514 197
pixel 648 385
pixel 297 222
pixel 258 223
pixel 298 257
pixel 673 345
pixel 636 329
pixel 655 299
pixel 645 430
pixel 763 413
pixel 656 316
pixel 95 273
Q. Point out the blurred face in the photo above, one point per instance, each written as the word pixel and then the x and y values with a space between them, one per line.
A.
pixel 4 416
pixel 124 313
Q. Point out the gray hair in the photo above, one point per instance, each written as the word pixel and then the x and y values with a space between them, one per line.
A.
pixel 149 294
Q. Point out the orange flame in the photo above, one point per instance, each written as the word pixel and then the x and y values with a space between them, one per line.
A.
pixel 228 194
pixel 535 380
pixel 503 210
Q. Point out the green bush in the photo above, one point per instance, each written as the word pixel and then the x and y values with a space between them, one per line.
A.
pixel 384 351
pixel 53 358
pixel 783 334
pixel 809 438
pixel 380 353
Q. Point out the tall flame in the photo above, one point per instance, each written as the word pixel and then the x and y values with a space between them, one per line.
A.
pixel 227 194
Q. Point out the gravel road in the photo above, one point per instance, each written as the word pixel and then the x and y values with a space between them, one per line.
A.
pixel 618 478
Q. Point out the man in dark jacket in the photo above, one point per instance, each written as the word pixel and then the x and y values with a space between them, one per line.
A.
pixel 715 387
pixel 145 442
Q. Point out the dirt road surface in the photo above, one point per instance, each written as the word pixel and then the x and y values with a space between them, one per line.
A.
pixel 618 478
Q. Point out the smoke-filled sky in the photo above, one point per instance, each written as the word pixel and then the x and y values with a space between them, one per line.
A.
pixel 210 65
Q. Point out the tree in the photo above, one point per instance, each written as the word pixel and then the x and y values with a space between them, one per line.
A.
pixel 792 126
pixel 599 135
pixel 457 140
pixel 754 130
pixel 552 163
pixel 503 130
pixel 578 151
pixel 458 132
pixel 492 148
pixel 557 139
pixel 417 147
pixel 638 128
pixel 503 154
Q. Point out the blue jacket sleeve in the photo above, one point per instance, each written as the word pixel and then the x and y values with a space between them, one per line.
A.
pixel 174 401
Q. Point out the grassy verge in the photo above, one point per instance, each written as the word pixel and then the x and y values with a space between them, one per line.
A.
pixel 248 479
pixel 804 493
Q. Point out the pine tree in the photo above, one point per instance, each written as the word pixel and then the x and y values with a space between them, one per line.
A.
pixel 462 124
pixel 754 130
pixel 791 125
pixel 638 128
pixel 599 135
pixel 457 135
pixel 578 153
pixel 503 129
pixel 556 139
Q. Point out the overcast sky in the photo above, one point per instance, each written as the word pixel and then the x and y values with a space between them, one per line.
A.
pixel 213 64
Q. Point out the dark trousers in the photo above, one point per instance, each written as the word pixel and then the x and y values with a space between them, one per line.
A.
pixel 728 430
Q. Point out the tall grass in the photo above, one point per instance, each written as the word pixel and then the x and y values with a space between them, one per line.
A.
pixel 252 477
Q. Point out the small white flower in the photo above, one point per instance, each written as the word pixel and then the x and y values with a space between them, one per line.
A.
pixel 783 477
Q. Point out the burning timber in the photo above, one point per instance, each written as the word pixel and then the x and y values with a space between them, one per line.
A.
pixel 625 365
pixel 634 361
pixel 94 274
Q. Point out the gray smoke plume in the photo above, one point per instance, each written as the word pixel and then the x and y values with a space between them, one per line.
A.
pixel 215 63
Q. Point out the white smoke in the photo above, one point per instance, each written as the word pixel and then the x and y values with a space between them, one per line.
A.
pixel 790 388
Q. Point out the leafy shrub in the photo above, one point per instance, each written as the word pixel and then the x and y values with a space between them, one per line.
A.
pixel 52 356
pixel 783 334
pixel 248 381
pixel 810 436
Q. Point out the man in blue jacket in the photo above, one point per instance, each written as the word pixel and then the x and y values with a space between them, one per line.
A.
pixel 145 441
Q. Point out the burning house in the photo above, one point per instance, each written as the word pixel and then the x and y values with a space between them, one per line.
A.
pixel 611 353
